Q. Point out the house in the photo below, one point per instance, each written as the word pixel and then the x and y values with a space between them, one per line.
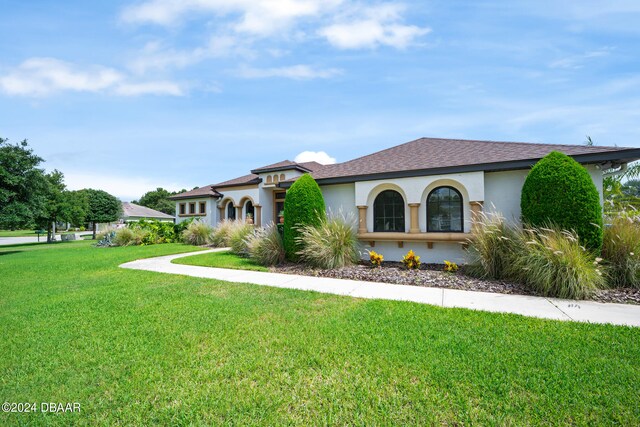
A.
pixel 420 195
pixel 133 212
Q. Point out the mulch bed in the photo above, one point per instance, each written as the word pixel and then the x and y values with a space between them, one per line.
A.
pixel 432 275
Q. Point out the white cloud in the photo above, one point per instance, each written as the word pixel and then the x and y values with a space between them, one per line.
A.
pixel 315 156
pixel 44 76
pixel 578 61
pixel 41 76
pixel 372 27
pixel 261 17
pixel 296 72
pixel 126 188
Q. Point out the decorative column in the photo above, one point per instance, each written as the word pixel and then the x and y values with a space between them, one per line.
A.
pixel 414 226
pixel 221 213
pixel 239 213
pixel 257 215
pixel 476 210
pixel 362 219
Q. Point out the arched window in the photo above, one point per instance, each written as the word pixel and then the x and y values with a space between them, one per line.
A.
pixel 231 211
pixel 388 212
pixel 444 210
pixel 248 209
pixel 269 179
pixel 282 177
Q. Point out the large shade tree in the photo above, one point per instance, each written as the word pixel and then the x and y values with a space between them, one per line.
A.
pixel 102 207
pixel 158 199
pixel 23 186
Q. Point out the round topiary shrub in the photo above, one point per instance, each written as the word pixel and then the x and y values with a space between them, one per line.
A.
pixel 303 205
pixel 560 191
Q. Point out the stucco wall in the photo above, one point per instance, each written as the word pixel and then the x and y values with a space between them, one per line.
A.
pixel 440 251
pixel 340 197
pixel 209 216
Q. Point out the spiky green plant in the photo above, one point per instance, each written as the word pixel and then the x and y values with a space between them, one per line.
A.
pixel 492 246
pixel 129 237
pixel 238 236
pixel 265 246
pixel 197 233
pixel 554 263
pixel 331 244
pixel 621 250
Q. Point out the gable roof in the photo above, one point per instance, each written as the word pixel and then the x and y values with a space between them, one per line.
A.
pixel 288 164
pixel 430 156
pixel 206 191
pixel 133 210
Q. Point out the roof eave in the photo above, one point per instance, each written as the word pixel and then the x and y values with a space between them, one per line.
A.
pixel 622 156
pixel 281 168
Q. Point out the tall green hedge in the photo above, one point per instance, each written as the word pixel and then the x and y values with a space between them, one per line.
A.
pixel 560 191
pixel 303 205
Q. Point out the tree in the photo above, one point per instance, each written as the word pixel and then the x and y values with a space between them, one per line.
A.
pixel 559 191
pixel 158 199
pixel 56 207
pixel 102 207
pixel 23 186
pixel 303 205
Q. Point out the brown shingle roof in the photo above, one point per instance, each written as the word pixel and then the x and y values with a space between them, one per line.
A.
pixel 288 164
pixel 436 153
pixel 242 180
pixel 206 191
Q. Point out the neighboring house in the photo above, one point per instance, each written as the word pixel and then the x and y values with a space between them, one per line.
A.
pixel 420 195
pixel 132 212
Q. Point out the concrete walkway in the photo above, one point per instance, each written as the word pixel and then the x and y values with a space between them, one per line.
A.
pixel 547 308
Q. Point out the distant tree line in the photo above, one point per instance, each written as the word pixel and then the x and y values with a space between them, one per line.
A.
pixel 32 198
pixel 158 199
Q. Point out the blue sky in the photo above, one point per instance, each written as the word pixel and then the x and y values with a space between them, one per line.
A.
pixel 131 95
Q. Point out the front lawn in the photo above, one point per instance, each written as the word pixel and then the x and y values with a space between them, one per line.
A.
pixel 224 259
pixel 142 348
pixel 19 233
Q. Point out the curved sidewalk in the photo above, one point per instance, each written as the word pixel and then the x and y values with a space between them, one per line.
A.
pixel 547 308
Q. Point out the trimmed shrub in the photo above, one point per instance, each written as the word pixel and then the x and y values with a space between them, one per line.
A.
pixel 238 238
pixel 493 245
pixel 558 190
pixel 197 233
pixel 554 263
pixel 265 246
pixel 129 237
pixel 621 250
pixel 332 244
pixel 303 207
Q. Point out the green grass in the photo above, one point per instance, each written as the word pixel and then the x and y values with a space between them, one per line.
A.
pixel 224 259
pixel 19 233
pixel 142 348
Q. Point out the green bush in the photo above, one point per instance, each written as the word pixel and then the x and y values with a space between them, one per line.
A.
pixel 303 206
pixel 265 246
pixel 558 190
pixel 331 244
pixel 156 231
pixel 129 237
pixel 238 238
pixel 197 233
pixel 621 250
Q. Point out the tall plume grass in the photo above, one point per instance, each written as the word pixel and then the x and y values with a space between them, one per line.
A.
pixel 621 249
pixel 331 244
pixel 197 233
pixel 265 246
pixel 547 260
